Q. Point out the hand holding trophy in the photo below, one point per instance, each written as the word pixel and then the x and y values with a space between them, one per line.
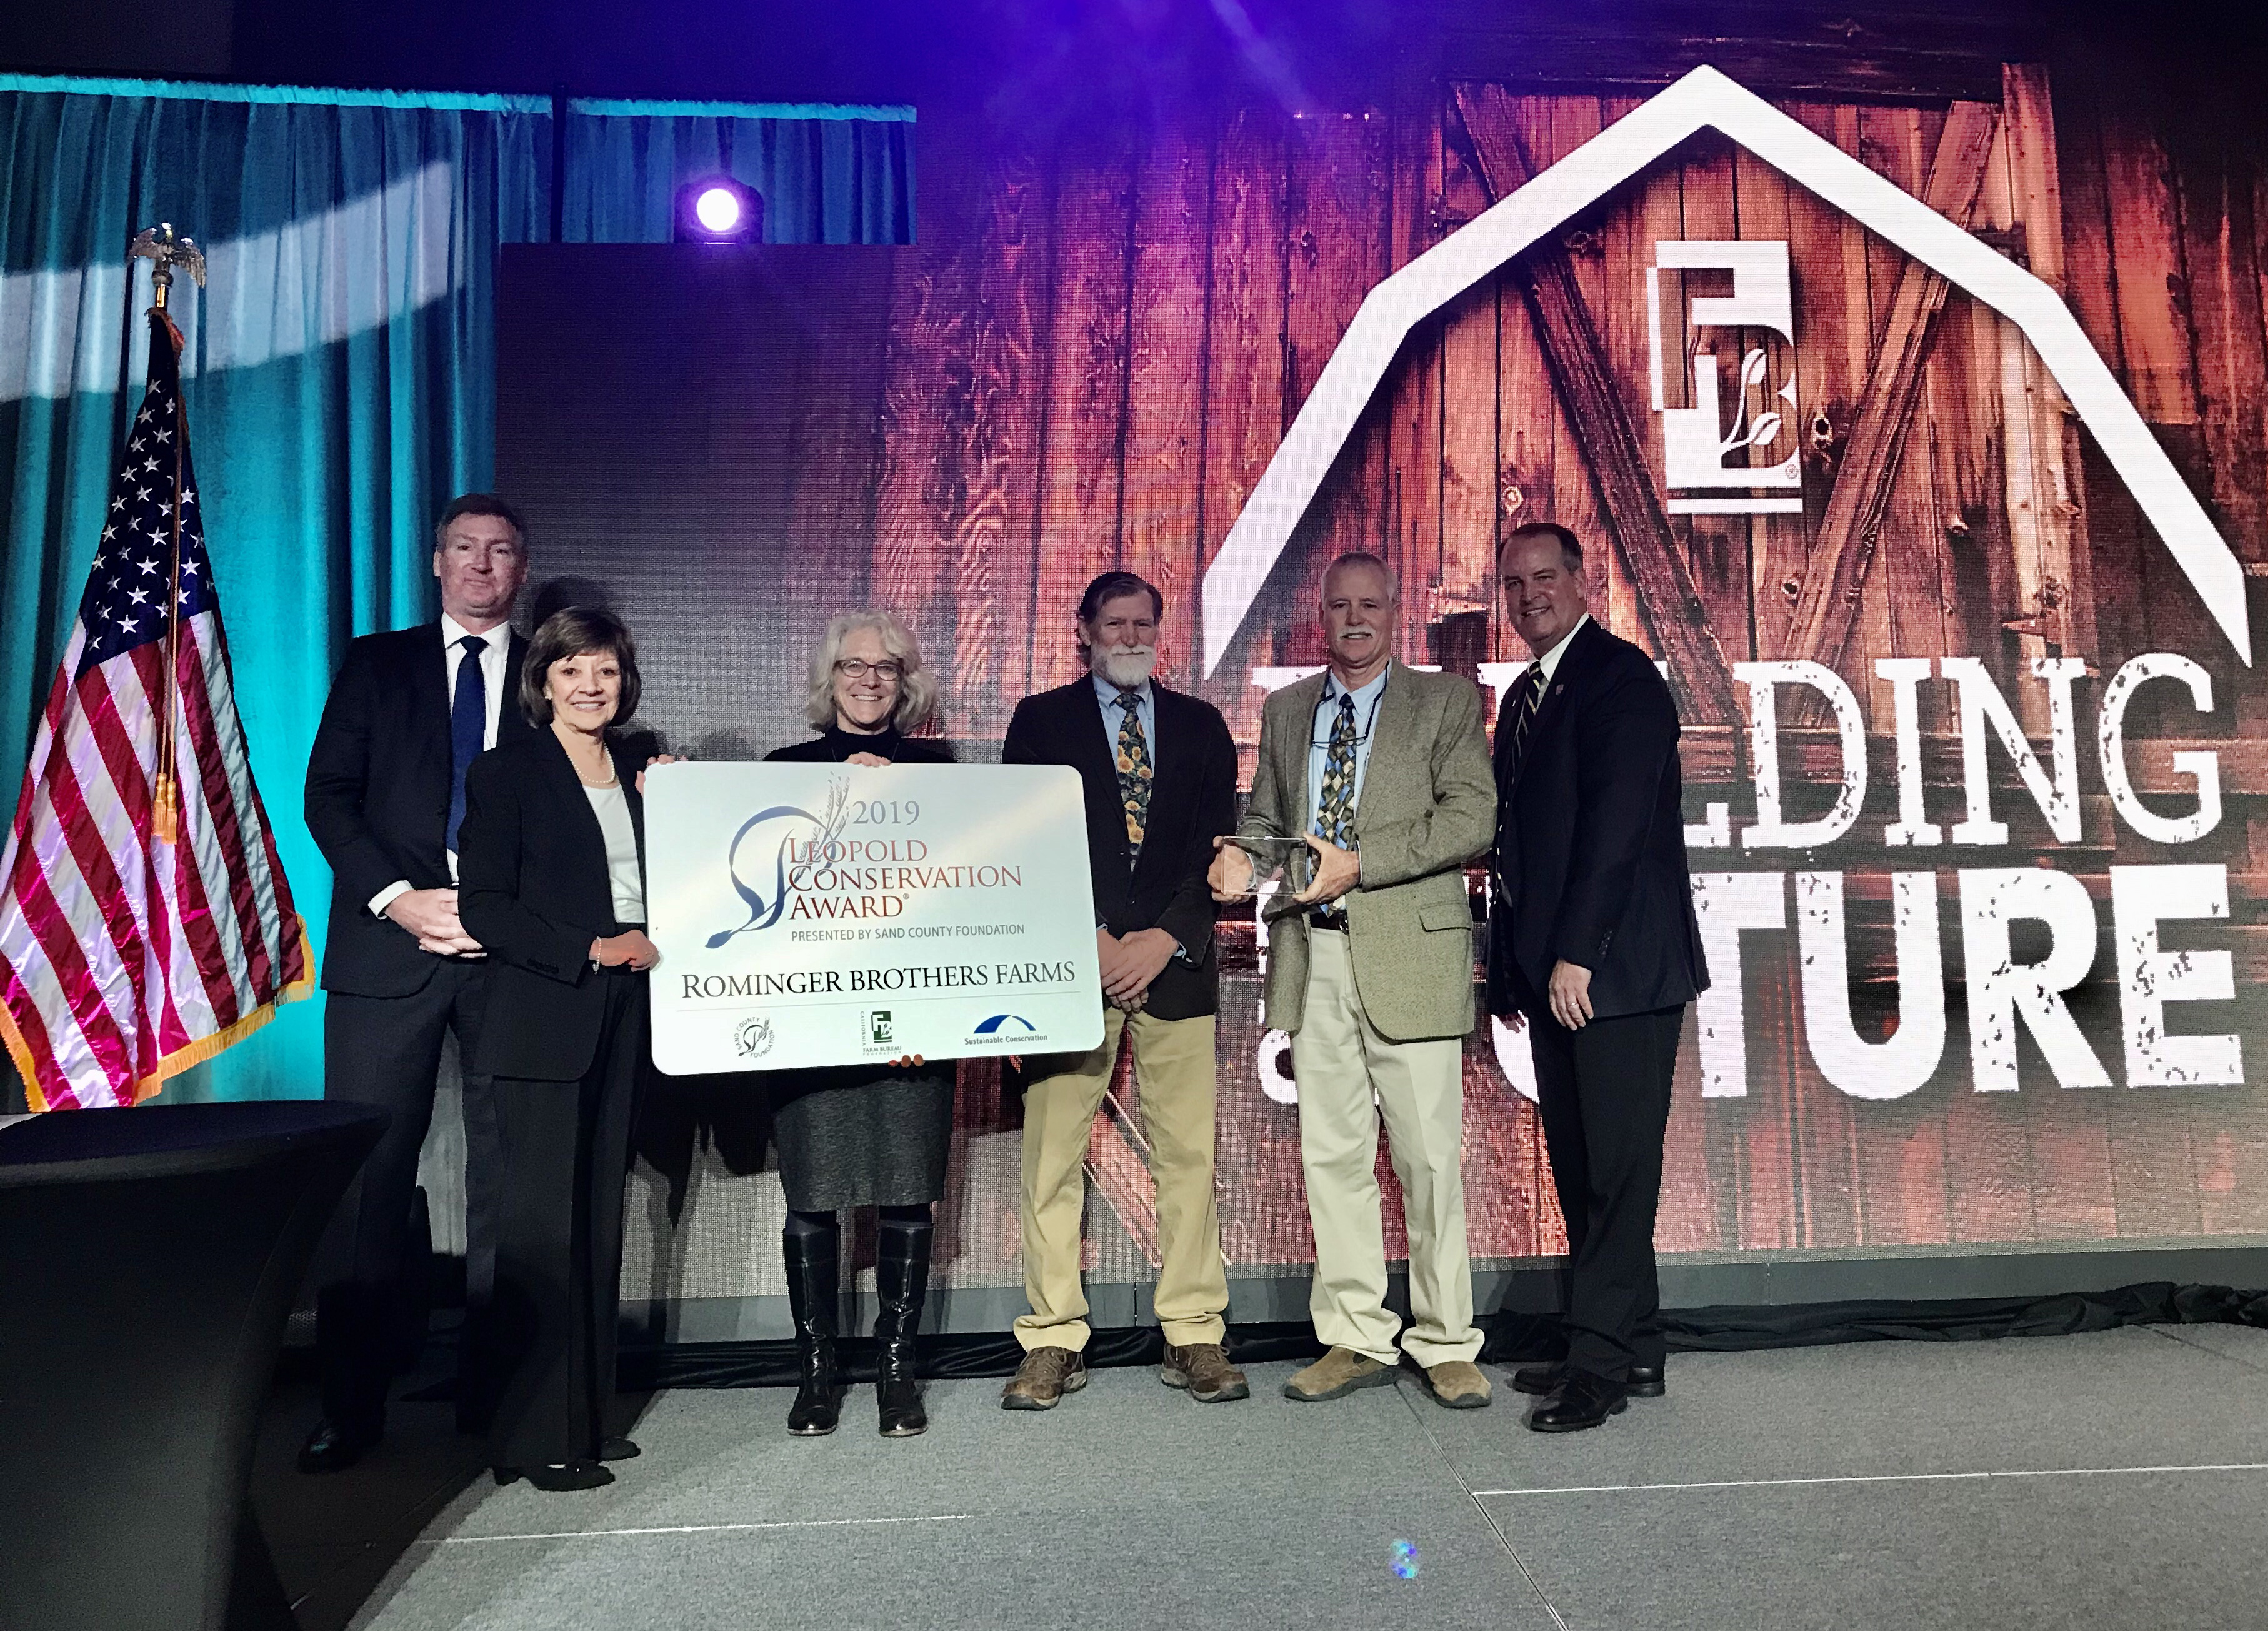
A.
pixel 1237 872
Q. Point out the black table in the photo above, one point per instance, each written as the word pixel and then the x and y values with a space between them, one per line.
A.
pixel 148 1261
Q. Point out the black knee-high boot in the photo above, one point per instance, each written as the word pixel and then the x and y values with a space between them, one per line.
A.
pixel 902 1281
pixel 812 1254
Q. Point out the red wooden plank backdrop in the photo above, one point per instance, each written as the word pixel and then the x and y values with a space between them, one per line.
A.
pixel 1098 347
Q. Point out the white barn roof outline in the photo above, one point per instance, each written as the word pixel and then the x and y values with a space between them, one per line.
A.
pixel 1705 99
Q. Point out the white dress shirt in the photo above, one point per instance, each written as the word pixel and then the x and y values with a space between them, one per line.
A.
pixel 496 670
pixel 1548 664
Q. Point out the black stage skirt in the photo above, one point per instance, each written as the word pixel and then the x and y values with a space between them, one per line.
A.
pixel 857 1137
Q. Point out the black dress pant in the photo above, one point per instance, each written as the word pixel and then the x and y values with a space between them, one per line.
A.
pixel 386 1051
pixel 1604 1095
pixel 559 1252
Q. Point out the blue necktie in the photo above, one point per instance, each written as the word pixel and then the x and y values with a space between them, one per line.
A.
pixel 468 728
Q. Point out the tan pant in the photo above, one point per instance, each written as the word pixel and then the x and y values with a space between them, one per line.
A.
pixel 1173 1070
pixel 1339 1059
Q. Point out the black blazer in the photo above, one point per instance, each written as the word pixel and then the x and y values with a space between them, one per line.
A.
pixel 532 887
pixel 1590 841
pixel 1192 799
pixel 378 798
pixel 832 745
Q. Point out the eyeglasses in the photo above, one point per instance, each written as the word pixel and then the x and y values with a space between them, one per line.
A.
pixel 856 668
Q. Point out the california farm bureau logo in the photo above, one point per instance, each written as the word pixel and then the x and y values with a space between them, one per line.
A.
pixel 790 864
pixel 1698 441
pixel 1708 445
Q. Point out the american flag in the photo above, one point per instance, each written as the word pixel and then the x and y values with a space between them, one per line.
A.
pixel 144 919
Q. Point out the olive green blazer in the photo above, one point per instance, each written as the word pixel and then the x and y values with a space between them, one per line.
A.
pixel 1428 805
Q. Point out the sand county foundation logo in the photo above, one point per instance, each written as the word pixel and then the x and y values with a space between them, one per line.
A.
pixel 752 1038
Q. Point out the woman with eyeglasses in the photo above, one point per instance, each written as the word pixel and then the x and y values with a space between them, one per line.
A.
pixel 862 1135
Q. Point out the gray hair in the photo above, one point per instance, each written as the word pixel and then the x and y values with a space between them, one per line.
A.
pixel 916 688
pixel 1363 558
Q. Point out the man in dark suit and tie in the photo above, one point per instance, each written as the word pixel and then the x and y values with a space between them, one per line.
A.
pixel 1592 936
pixel 408 714
pixel 1160 772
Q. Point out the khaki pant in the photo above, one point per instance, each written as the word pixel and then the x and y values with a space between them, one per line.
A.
pixel 1339 1061
pixel 1173 1070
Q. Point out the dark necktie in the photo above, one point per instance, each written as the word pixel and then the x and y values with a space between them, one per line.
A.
pixel 468 728
pixel 1136 775
pixel 1334 808
pixel 1526 693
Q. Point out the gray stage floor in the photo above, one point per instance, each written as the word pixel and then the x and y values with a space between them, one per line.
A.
pixel 2096 1481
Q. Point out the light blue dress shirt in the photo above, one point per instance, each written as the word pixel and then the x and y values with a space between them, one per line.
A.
pixel 1145 707
pixel 1366 703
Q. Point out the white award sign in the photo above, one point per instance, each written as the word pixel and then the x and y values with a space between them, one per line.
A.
pixel 833 914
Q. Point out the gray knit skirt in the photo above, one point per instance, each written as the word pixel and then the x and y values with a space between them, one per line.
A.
pixel 861 1138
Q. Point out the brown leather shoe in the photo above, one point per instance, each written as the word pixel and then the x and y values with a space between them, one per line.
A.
pixel 1046 1375
pixel 1458 1385
pixel 1337 1374
pixel 1203 1367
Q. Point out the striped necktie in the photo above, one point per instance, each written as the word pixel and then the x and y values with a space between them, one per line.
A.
pixel 1525 694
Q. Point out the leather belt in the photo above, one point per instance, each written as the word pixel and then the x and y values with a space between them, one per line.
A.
pixel 1332 918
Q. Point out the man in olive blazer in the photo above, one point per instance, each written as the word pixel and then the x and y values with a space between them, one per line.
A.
pixel 1382 773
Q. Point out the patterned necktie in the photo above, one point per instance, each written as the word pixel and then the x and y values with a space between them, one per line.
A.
pixel 1334 807
pixel 1135 774
pixel 1526 694
pixel 468 728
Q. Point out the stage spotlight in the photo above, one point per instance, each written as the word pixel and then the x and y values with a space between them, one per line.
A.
pixel 718 209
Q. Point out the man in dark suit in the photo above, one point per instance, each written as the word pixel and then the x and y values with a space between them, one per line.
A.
pixel 1160 772
pixel 1593 938
pixel 408 714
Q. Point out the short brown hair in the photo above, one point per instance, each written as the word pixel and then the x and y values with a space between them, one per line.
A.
pixel 577 631
pixel 1570 548
pixel 479 504
pixel 1110 585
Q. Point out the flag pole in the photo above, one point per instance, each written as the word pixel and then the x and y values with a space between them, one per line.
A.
pixel 158 245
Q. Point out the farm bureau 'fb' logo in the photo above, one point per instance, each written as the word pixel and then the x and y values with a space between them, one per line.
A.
pixel 786 823
pixel 1706 100
pixel 1697 441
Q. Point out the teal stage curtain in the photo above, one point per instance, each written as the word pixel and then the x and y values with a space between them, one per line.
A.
pixel 826 179
pixel 339 363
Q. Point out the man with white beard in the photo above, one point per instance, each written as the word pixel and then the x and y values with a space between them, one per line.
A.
pixel 1159 771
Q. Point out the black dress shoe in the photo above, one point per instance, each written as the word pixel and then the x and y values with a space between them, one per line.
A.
pixel 1643 1381
pixel 567 1475
pixel 619 1450
pixel 331 1448
pixel 1540 1379
pixel 1583 1401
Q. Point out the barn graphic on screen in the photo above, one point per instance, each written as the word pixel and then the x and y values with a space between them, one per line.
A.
pixel 1969 709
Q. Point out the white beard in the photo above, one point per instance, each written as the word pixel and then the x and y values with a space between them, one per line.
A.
pixel 1125 667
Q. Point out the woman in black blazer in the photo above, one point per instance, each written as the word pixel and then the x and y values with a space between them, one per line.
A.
pixel 550 880
pixel 862 1135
